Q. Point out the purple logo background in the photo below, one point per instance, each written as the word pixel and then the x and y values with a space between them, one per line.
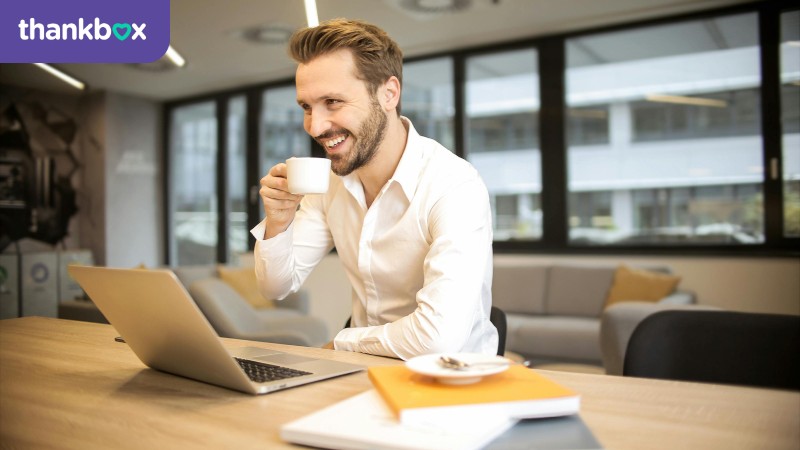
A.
pixel 154 13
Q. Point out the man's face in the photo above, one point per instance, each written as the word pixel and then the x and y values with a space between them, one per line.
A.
pixel 340 113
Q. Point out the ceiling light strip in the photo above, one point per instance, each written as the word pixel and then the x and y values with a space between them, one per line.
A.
pixel 311 13
pixel 61 75
pixel 175 57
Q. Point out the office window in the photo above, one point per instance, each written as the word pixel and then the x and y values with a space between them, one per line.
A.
pixel 502 137
pixel 501 132
pixel 428 99
pixel 790 120
pixel 587 125
pixel 591 211
pixel 193 168
pixel 281 132
pixel 236 214
pixel 732 113
pixel 682 161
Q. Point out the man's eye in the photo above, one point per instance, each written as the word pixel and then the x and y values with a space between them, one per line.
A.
pixel 332 101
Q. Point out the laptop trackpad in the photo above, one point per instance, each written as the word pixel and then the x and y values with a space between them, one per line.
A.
pixel 284 359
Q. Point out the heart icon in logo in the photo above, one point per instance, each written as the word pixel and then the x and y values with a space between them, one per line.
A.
pixel 121 26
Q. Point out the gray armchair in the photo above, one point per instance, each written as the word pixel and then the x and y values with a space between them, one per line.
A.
pixel 232 316
pixel 618 322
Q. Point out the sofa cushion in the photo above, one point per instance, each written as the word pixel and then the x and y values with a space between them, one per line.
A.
pixel 243 281
pixel 555 337
pixel 189 274
pixel 232 316
pixel 224 308
pixel 575 290
pixel 640 285
pixel 519 288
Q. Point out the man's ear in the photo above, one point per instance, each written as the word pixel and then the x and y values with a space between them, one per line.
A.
pixel 390 94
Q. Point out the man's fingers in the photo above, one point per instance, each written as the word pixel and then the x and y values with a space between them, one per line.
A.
pixel 268 193
pixel 280 205
pixel 274 204
pixel 278 170
pixel 275 183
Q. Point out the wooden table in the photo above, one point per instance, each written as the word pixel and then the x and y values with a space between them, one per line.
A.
pixel 67 384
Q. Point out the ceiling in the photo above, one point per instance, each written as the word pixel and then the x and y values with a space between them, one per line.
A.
pixel 209 34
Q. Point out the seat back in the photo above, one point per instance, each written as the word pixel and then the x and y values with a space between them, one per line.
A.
pixel 225 309
pixel 498 319
pixel 717 347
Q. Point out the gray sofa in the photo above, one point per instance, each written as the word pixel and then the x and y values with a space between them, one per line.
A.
pixel 232 316
pixel 554 311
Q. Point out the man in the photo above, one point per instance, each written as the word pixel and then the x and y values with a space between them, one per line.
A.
pixel 411 222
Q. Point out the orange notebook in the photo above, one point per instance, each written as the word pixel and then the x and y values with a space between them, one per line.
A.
pixel 516 393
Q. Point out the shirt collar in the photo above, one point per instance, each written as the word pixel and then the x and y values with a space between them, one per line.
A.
pixel 407 172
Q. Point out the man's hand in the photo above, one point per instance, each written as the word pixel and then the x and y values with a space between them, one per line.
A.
pixel 280 206
pixel 328 346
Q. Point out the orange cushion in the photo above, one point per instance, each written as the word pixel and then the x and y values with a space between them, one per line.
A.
pixel 640 285
pixel 243 281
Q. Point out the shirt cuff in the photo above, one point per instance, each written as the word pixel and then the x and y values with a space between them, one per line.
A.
pixel 279 239
pixel 364 340
pixel 344 340
pixel 259 230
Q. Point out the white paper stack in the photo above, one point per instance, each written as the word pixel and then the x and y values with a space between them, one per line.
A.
pixel 365 422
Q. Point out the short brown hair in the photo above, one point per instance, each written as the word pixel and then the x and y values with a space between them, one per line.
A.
pixel 377 57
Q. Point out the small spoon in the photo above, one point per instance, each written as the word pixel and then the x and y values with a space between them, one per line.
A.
pixel 449 362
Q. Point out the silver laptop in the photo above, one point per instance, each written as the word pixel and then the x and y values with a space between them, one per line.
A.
pixel 157 317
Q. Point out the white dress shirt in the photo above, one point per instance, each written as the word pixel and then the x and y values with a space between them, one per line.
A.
pixel 419 258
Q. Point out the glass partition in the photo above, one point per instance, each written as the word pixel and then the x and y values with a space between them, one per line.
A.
pixel 663 133
pixel 428 99
pixel 193 169
pixel 790 120
pixel 502 138
pixel 237 177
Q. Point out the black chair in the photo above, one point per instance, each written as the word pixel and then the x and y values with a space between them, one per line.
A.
pixel 717 347
pixel 498 319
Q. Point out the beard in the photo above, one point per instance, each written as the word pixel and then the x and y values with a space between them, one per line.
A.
pixel 368 139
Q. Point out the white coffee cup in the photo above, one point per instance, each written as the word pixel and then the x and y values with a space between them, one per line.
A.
pixel 308 175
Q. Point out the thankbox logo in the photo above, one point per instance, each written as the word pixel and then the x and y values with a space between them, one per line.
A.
pixel 32 30
pixel 84 31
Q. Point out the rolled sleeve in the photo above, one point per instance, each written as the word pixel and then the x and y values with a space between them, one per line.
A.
pixel 273 262
pixel 370 340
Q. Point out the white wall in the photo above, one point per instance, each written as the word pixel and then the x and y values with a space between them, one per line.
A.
pixel 330 294
pixel 133 200
pixel 753 285
pixel 769 285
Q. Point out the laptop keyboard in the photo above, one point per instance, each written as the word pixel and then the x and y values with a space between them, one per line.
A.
pixel 261 372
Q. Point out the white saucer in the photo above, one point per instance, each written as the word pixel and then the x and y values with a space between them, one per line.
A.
pixel 429 365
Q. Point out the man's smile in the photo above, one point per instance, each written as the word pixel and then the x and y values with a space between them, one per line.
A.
pixel 334 143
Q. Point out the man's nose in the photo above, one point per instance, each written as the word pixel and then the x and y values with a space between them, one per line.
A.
pixel 318 122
